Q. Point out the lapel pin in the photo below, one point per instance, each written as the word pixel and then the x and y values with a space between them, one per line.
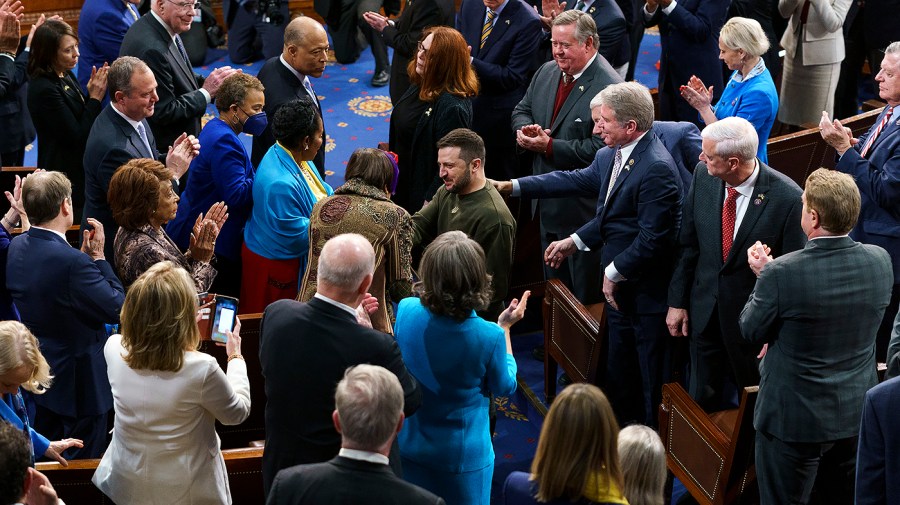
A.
pixel 428 112
pixel 580 88
pixel 507 22
pixel 759 199
pixel 591 10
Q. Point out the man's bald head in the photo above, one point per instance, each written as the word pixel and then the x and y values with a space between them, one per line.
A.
pixel 301 27
pixel 345 262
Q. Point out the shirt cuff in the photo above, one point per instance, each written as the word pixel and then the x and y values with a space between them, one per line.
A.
pixel 668 10
pixel 613 274
pixel 579 243
pixel 516 189
pixel 207 95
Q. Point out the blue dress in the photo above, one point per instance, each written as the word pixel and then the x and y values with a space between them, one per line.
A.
pixel 755 100
pixel 446 446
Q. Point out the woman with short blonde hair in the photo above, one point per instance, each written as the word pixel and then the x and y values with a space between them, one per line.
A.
pixel 643 459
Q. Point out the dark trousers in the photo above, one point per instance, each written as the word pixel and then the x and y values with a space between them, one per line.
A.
pixel 636 365
pixel 92 430
pixel 345 36
pixel 717 358
pixel 250 38
pixel 787 472
pixel 581 272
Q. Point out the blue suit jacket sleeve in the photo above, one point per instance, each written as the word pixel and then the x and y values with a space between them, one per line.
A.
pixel 38 442
pixel 698 26
pixel 95 289
pixel 880 183
pixel 562 183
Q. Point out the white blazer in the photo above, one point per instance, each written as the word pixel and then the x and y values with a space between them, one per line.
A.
pixel 164 448
pixel 823 37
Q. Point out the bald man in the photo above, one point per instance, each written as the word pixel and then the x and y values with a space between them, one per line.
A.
pixel 286 77
pixel 305 349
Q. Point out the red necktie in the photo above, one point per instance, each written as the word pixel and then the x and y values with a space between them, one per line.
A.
pixel 874 135
pixel 729 215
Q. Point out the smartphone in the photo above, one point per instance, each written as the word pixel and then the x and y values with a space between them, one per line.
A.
pixel 226 310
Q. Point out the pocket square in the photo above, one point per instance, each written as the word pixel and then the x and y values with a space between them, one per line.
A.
pixel 578 120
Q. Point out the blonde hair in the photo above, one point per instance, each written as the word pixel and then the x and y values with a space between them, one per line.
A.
pixel 159 319
pixel 19 347
pixel 578 440
pixel 643 460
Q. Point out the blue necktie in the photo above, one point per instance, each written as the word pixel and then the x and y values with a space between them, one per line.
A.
pixel 143 133
pixel 181 50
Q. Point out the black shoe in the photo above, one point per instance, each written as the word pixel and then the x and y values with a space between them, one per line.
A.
pixel 538 353
pixel 381 78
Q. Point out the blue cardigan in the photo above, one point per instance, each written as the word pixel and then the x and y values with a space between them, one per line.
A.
pixel 457 365
pixel 755 100
pixel 222 172
pixel 39 443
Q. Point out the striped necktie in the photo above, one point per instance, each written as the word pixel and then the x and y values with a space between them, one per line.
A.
pixel 874 136
pixel 488 26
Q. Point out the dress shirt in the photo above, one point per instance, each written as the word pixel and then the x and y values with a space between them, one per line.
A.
pixel 172 34
pixel 336 303
pixel 371 457
pixel 300 76
pixel 745 194
pixel 497 12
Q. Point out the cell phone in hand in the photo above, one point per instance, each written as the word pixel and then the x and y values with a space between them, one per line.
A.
pixel 226 309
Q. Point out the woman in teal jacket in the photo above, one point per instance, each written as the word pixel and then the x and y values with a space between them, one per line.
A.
pixel 459 360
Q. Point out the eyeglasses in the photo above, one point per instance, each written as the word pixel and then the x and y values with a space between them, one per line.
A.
pixel 185 5
pixel 422 48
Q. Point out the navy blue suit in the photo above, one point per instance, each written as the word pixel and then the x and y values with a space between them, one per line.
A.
pixel 690 46
pixel 683 141
pixel 65 299
pixel 101 28
pixel 504 66
pixel 636 228
pixel 877 466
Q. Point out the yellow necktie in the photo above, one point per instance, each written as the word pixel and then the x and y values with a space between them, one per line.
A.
pixel 488 26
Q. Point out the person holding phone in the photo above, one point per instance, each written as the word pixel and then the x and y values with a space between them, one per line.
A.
pixel 142 201
pixel 166 441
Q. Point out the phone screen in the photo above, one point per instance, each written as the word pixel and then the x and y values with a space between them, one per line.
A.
pixel 226 307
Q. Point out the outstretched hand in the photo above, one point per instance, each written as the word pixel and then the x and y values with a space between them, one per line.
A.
pixel 515 312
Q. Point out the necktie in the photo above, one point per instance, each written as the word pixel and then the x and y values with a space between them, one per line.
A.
pixel 567 78
pixel 488 26
pixel 181 50
pixel 874 136
pixel 729 215
pixel 617 168
pixel 143 133
pixel 579 6
pixel 309 90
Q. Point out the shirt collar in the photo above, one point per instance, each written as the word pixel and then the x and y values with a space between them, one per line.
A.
pixel 134 124
pixel 165 25
pixel 292 69
pixel 746 188
pixel 757 69
pixel 628 148
pixel 589 63
pixel 498 10
pixel 336 303
pixel 371 457
pixel 60 235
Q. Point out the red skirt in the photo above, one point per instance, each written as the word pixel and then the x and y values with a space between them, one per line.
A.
pixel 264 281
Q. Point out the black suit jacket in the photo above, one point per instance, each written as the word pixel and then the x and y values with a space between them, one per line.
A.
pixel 181 103
pixel 15 122
pixel 282 86
pixel 345 481
pixel 304 350
pixel 111 143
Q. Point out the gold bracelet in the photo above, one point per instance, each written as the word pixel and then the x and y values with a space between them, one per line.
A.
pixel 235 356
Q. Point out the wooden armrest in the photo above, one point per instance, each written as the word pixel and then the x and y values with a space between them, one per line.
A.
pixel 676 398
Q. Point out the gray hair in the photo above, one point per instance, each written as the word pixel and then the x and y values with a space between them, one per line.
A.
pixel 630 101
pixel 734 136
pixel 893 48
pixel 585 27
pixel 746 34
pixel 369 403
pixel 345 261
pixel 643 460
pixel 120 73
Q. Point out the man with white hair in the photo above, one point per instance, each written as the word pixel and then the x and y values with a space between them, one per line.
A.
pixel 368 414
pixel 734 201
pixel 304 350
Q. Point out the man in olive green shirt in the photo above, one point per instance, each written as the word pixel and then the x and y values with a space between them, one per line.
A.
pixel 468 203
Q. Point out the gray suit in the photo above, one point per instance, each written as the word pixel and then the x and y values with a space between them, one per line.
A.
pixel 713 291
pixel 818 309
pixel 574 147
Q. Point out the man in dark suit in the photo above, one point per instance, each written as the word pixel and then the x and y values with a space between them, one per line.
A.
pixel 877 470
pixel 116 138
pixel 404 33
pixel 504 36
pixel 553 120
pixel 874 162
pixel 15 122
pixel 66 297
pixel 634 228
pixel 368 414
pixel 350 33
pixel 818 310
pixel 304 349
pixel 708 292
pixel 101 27
pixel 286 77
pixel 254 33
pixel 183 95
pixel 689 34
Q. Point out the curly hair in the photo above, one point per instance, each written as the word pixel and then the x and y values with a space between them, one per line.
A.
pixel 454 278
pixel 294 121
pixel 134 191
pixel 234 90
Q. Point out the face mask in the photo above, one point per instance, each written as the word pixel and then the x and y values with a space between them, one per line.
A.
pixel 255 124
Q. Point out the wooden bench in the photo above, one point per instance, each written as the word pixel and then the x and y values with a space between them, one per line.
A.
pixel 74 486
pixel 711 454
